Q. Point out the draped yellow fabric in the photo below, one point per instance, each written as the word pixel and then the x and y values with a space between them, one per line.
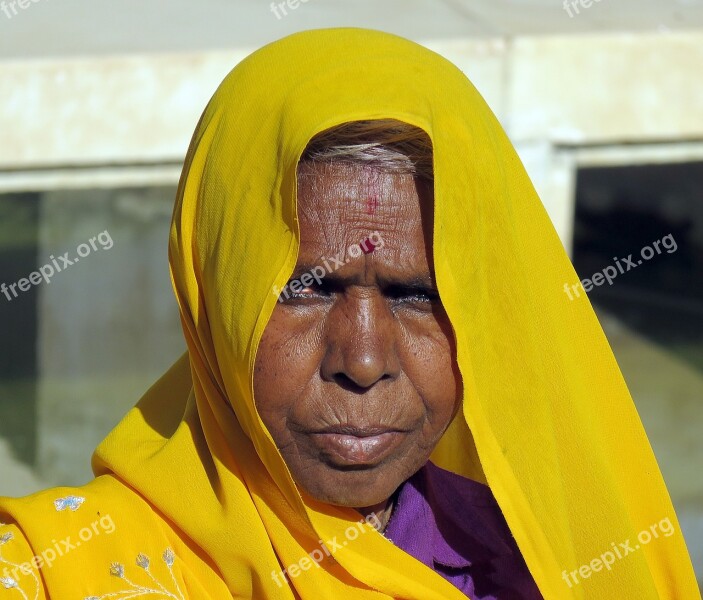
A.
pixel 201 501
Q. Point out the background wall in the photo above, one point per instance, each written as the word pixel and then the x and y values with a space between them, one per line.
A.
pixel 99 99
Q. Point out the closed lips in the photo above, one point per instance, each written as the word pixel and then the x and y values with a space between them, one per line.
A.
pixel 354 446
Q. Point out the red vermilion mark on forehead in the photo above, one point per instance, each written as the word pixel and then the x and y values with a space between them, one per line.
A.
pixel 371 204
pixel 373 189
pixel 367 246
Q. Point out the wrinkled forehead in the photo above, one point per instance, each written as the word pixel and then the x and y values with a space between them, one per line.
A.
pixel 341 205
pixel 336 191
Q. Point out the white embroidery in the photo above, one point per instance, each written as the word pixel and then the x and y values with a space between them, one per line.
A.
pixel 143 561
pixel 10 583
pixel 72 502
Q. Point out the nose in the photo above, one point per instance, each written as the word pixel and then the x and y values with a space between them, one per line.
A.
pixel 360 336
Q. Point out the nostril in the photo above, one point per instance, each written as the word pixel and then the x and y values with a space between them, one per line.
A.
pixel 347 383
pixel 357 385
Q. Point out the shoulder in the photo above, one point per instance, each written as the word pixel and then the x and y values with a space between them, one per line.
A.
pixel 53 511
pixel 63 541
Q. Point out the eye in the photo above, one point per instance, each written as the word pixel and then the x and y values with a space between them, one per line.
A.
pixel 422 297
pixel 413 296
pixel 310 290
pixel 314 291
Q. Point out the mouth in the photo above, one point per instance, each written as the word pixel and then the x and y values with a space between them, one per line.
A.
pixel 350 446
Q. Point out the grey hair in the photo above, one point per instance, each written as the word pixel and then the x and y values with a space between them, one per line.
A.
pixel 387 145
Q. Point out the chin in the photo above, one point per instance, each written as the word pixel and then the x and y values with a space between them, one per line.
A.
pixel 353 488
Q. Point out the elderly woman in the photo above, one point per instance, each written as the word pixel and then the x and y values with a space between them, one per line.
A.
pixel 385 394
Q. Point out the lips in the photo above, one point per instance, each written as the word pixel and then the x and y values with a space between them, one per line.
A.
pixel 354 446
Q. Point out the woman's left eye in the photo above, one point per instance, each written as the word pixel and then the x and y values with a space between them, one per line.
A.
pixel 414 297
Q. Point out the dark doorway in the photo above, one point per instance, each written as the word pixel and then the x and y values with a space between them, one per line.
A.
pixel 19 223
pixel 620 211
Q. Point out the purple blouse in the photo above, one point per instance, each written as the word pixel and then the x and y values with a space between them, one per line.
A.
pixel 454 526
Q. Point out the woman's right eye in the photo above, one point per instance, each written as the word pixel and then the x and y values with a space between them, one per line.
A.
pixel 314 290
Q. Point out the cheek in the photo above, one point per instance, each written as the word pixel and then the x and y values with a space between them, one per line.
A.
pixel 284 366
pixel 431 367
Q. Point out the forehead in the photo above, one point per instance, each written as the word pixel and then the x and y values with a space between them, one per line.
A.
pixel 342 203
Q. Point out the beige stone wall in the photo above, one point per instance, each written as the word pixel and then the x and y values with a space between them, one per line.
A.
pixel 595 89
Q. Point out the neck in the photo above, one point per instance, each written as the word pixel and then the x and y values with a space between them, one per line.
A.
pixel 380 512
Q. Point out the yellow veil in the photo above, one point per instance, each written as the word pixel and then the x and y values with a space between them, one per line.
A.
pixel 192 480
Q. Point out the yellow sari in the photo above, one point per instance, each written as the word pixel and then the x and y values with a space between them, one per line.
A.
pixel 192 498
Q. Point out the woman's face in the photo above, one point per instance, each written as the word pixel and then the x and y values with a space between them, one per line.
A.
pixel 355 378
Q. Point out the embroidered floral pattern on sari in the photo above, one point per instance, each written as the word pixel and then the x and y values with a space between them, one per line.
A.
pixel 72 502
pixel 9 581
pixel 135 590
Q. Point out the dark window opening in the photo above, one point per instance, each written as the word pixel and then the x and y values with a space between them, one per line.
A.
pixel 19 230
pixel 623 212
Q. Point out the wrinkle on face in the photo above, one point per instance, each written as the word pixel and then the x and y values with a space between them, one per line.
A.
pixel 360 348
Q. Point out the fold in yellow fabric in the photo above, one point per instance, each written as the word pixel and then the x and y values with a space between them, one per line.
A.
pixel 192 498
